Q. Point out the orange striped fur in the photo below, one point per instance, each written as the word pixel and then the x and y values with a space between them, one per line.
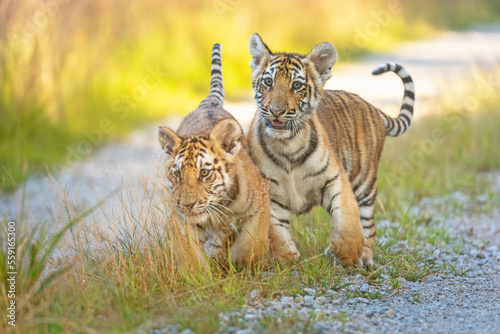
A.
pixel 319 147
pixel 213 182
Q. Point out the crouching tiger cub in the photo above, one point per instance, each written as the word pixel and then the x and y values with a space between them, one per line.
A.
pixel 212 180
pixel 319 147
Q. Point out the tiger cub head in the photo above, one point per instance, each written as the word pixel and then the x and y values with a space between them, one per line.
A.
pixel 201 170
pixel 288 86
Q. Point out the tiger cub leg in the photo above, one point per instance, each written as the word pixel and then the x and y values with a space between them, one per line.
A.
pixel 252 241
pixel 186 242
pixel 215 244
pixel 366 212
pixel 346 239
pixel 282 245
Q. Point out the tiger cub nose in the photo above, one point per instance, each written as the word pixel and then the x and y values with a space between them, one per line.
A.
pixel 276 113
pixel 189 205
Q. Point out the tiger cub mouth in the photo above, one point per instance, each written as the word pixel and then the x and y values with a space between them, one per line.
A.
pixel 276 124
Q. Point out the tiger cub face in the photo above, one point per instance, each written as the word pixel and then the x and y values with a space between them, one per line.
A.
pixel 201 170
pixel 288 86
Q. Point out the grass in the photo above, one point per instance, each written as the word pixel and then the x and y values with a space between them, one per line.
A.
pixel 128 282
pixel 76 74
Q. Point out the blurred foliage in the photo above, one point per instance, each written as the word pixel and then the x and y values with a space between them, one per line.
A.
pixel 76 73
pixel 445 152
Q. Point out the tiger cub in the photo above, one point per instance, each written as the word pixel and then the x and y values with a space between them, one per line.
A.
pixel 319 147
pixel 212 180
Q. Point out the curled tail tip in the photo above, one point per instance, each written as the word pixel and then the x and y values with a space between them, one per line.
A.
pixel 397 126
pixel 393 67
pixel 381 69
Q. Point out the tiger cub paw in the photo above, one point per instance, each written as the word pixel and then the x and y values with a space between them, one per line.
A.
pixel 366 260
pixel 347 256
pixel 283 257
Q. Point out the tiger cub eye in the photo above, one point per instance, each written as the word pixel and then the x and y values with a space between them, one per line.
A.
pixel 297 85
pixel 205 172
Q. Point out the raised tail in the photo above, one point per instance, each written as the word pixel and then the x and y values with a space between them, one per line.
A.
pixel 397 126
pixel 215 96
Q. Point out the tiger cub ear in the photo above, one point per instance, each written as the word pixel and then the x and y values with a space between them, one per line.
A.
pixel 258 50
pixel 228 135
pixel 167 139
pixel 323 56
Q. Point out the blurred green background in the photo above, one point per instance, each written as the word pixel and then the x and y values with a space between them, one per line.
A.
pixel 91 70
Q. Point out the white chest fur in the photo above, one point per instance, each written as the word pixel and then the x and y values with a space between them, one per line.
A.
pixel 299 187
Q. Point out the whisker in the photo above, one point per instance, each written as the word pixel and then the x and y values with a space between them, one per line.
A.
pixel 222 206
pixel 218 210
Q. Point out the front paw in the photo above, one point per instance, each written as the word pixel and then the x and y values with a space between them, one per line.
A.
pixel 346 254
pixel 283 256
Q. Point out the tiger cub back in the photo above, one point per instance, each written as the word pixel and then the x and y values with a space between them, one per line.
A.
pixel 213 182
pixel 320 147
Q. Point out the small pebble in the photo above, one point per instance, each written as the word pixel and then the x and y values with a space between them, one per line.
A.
pixel 308 298
pixel 309 292
pixel 390 313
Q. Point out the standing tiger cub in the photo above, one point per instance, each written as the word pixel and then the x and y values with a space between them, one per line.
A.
pixel 319 147
pixel 213 182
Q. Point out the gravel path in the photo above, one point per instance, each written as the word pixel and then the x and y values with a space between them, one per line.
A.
pixel 463 299
pixel 462 296
pixel 437 304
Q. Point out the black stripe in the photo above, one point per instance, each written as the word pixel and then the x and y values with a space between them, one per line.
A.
pixel 366 218
pixel 366 191
pixel 269 179
pixel 356 186
pixel 408 107
pixel 368 226
pixel 326 185
pixel 407 79
pixel 216 71
pixel 390 122
pixel 268 152
pixel 216 92
pixel 313 144
pixel 396 123
pixel 330 211
pixel 276 61
pixel 406 118
pixel 410 94
pixel 284 221
pixel 284 207
pixel 398 68
pixel 331 201
pixel 367 202
pixel 322 170
pixel 371 235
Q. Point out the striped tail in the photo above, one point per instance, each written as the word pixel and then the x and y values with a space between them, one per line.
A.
pixel 397 126
pixel 215 96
